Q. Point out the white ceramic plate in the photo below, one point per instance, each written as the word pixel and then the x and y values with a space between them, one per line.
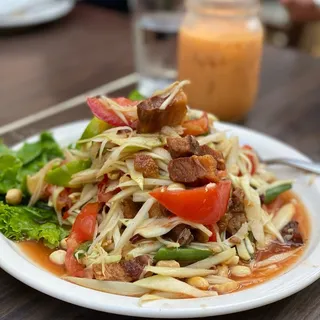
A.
pixel 302 274
pixel 41 12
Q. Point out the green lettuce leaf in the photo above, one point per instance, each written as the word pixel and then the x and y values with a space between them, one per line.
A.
pixel 29 152
pixel 4 149
pixel 9 169
pixel 29 159
pixel 31 223
pixel 50 148
pixel 40 152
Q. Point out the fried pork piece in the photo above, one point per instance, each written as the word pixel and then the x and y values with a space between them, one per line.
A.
pixel 232 222
pixel 236 221
pixel 152 118
pixel 235 217
pixel 221 164
pixel 195 170
pixel 183 147
pixel 130 208
pixel 181 234
pixel 146 165
pixel 236 202
pixel 189 146
pixel 158 211
pixel 126 271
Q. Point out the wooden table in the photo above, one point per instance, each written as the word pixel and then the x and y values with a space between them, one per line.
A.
pixel 90 47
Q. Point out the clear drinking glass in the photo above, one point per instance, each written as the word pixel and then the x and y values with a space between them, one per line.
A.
pixel 155 24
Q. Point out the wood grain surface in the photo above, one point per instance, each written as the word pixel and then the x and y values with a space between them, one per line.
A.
pixel 49 64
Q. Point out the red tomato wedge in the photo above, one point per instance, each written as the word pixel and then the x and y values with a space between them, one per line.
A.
pixel 213 237
pixel 204 205
pixel 66 215
pixel 196 127
pixel 251 158
pixel 105 113
pixel 82 230
pixel 85 223
pixel 73 267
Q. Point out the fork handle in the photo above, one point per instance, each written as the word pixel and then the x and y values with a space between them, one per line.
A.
pixel 299 164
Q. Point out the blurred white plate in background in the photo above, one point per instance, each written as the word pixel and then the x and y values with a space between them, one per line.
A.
pixel 26 13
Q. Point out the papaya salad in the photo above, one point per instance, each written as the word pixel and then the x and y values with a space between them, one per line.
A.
pixel 152 201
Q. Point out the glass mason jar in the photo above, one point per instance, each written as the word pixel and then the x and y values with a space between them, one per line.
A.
pixel 219 51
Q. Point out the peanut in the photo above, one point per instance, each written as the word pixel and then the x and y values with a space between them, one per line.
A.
pixel 198 282
pixel 58 257
pixel 168 264
pixel 240 271
pixel 14 196
pixel 63 244
pixel 225 287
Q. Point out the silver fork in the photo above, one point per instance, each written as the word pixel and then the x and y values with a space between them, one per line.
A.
pixel 311 167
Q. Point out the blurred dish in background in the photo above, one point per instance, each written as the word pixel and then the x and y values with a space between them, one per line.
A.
pixel 25 13
pixel 220 47
pixel 156 24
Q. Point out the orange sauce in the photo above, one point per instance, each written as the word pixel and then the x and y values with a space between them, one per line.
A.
pixel 38 253
pixel 222 61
